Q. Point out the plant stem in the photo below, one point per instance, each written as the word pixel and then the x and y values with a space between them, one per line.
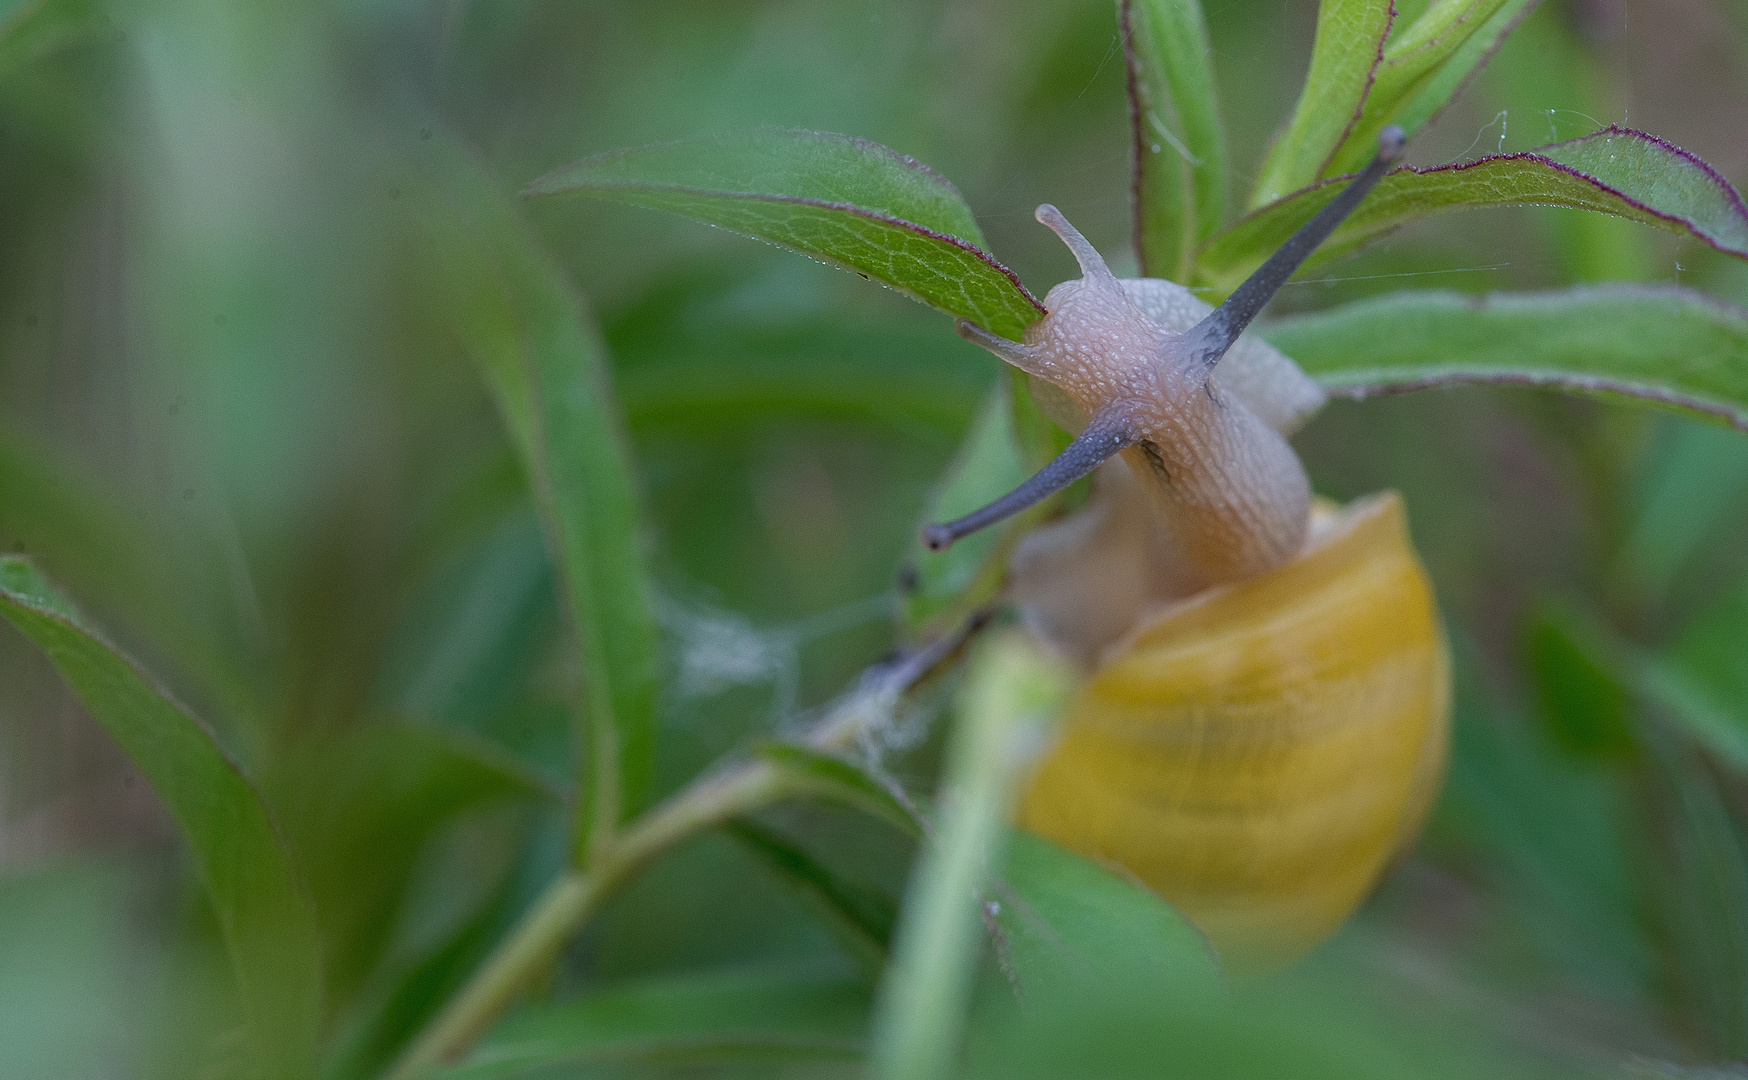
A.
pixel 568 902
pixel 1011 691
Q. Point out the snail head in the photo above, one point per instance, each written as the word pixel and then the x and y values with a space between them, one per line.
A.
pixel 1145 386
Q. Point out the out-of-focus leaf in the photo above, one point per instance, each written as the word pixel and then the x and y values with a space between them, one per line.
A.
pixel 1701 681
pixel 1616 171
pixel 359 809
pixel 265 913
pixel 1180 142
pixel 531 335
pixel 699 1020
pixel 1074 935
pixel 89 537
pixel 70 1000
pixel 1069 922
pixel 473 879
pixel 30 29
pixel 477 623
pixel 1578 679
pixel 1555 839
pixel 1011 692
pixel 1701 897
pixel 1697 480
pixel 1104 979
pixel 940 586
pixel 848 202
pixel 902 376
pixel 1344 60
pixel 829 776
pixel 79 532
pixel 860 915
pixel 1424 66
pixel 1669 347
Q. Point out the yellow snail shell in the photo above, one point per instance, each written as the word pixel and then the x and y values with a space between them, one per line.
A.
pixel 1256 754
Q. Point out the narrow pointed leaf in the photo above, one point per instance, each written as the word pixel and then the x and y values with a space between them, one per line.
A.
pixel 531 335
pixel 1616 171
pixel 1179 140
pixel 1701 682
pixel 848 202
pixel 1344 59
pixel 1669 347
pixel 359 809
pixel 1425 65
pixel 263 910
pixel 860 915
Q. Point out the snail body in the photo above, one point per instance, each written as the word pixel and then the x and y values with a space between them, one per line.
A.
pixel 1265 717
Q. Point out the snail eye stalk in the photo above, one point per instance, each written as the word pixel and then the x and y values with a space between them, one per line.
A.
pixel 1215 334
pixel 1102 440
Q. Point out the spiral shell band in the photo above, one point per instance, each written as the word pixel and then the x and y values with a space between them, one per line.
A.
pixel 1258 753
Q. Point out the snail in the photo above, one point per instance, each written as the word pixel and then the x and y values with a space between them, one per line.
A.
pixel 1265 718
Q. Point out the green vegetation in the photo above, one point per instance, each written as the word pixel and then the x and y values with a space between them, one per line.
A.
pixel 501 610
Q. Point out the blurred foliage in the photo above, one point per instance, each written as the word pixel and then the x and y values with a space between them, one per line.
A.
pixel 241 424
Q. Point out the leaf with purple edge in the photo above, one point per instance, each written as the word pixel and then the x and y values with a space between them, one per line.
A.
pixel 1671 347
pixel 848 202
pixel 1425 65
pixel 1615 171
pixel 1179 182
pixel 1344 60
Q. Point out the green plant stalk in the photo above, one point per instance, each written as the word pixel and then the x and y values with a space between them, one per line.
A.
pixel 920 1014
pixel 568 902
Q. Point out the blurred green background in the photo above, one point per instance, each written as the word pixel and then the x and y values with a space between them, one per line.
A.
pixel 219 358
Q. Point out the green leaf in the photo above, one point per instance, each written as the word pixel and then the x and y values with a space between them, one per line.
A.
pixel 358 810
pixel 1616 171
pixel 1578 679
pixel 1699 889
pixel 265 914
pixel 33 29
pixel 529 332
pixel 1701 680
pixel 940 587
pixel 475 876
pixel 860 915
pixel 1080 943
pixel 70 970
pixel 1344 59
pixel 829 776
pixel 1424 67
pixel 1180 142
pixel 83 532
pixel 848 202
pixel 699 1020
pixel 903 377
pixel 1669 347
pixel 1694 486
pixel 1076 921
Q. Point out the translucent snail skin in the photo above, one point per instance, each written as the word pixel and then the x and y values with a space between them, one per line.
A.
pixel 1265 718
